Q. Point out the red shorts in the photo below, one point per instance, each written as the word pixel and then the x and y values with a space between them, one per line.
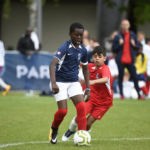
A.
pixel 96 111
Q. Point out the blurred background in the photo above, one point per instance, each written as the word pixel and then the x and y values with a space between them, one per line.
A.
pixel 45 24
pixel 51 19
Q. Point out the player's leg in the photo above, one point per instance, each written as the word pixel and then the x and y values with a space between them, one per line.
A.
pixel 79 121
pixel 73 125
pixel 60 114
pixel 72 129
pixel 2 83
pixel 61 99
pixel 97 113
pixel 58 118
pixel 121 74
pixel 81 113
pixel 76 95
pixel 90 121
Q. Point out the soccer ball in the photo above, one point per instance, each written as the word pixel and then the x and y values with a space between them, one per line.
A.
pixel 82 137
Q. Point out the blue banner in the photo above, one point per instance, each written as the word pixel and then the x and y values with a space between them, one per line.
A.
pixel 27 72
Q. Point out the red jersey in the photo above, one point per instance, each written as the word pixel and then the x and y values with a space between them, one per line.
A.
pixel 101 93
pixel 126 54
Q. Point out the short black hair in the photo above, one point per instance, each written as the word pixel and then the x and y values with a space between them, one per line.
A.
pixel 74 26
pixel 99 50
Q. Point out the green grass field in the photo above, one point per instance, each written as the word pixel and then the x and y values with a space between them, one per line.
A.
pixel 25 122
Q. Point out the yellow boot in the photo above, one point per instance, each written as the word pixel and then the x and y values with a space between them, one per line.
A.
pixel 6 90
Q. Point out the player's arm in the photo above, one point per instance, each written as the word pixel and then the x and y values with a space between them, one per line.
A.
pixel 99 81
pixel 52 66
pixel 86 78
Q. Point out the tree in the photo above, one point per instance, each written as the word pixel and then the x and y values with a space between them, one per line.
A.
pixel 138 11
pixel 1 13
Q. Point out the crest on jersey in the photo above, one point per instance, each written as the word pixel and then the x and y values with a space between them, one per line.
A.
pixel 79 56
pixel 97 76
pixel 59 53
pixel 93 68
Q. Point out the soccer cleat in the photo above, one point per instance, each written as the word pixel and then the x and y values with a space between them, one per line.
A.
pixel 67 135
pixel 6 90
pixel 53 135
pixel 121 97
pixel 141 98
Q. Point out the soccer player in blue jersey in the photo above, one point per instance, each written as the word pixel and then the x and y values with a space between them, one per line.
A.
pixel 64 70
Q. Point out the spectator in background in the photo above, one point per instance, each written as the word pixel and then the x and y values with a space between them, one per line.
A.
pixel 141 37
pixel 86 34
pixel 93 43
pixel 89 44
pixel 114 73
pixel 146 50
pixel 108 41
pixel 124 46
pixel 128 86
pixel 28 43
pixel 36 41
pixel 2 68
pixel 141 67
pixel 86 40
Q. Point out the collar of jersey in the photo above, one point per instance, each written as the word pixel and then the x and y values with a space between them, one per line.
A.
pixel 71 45
pixel 94 67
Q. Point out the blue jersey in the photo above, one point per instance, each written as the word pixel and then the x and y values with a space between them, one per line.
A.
pixel 69 60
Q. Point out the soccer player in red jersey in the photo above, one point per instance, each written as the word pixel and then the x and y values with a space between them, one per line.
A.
pixel 101 98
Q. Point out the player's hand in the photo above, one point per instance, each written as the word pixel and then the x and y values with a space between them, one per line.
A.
pixel 133 42
pixel 86 95
pixel 36 51
pixel 121 41
pixel 55 89
pixel 28 53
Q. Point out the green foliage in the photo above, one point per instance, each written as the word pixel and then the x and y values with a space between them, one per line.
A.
pixel 56 3
pixel 6 9
pixel 142 11
pixel 109 3
pixel 123 9
pixel 7 6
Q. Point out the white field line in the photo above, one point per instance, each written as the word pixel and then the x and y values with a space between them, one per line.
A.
pixel 102 139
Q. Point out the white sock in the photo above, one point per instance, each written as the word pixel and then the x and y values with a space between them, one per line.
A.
pixel 73 125
pixel 3 84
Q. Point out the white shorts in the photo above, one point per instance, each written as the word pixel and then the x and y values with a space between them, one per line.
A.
pixel 67 90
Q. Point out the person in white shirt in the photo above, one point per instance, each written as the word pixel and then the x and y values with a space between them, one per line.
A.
pixel 2 68
pixel 28 43
pixel 36 42
pixel 146 50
